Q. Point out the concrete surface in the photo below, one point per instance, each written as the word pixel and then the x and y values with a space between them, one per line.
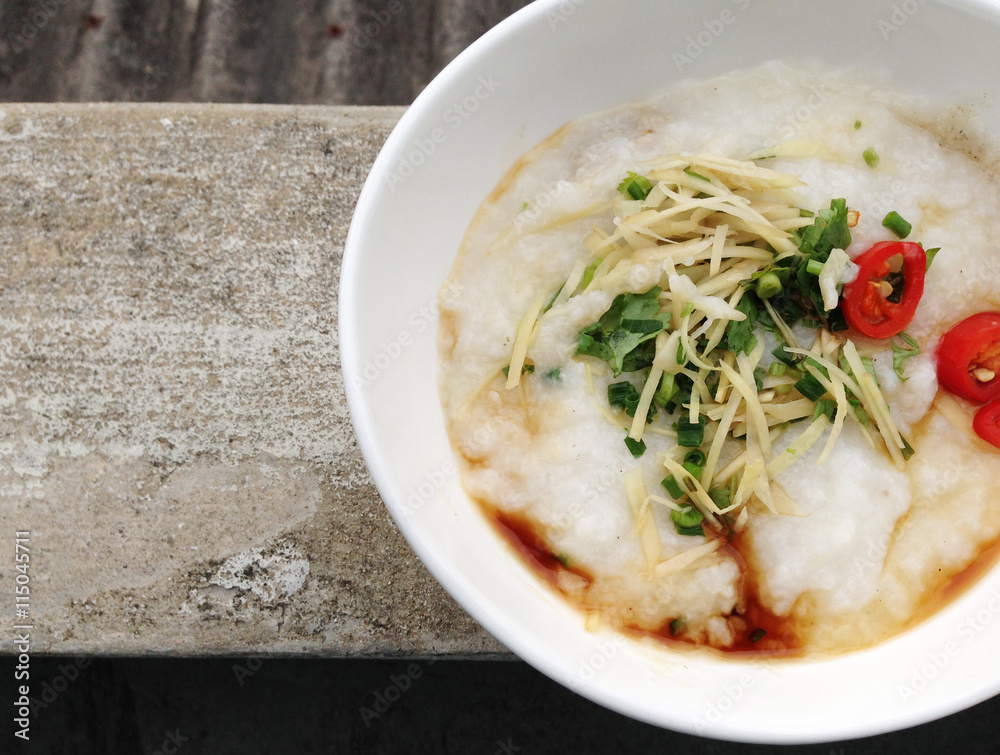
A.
pixel 173 429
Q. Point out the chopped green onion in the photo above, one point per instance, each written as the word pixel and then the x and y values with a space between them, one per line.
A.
pixel 635 186
pixel 690 531
pixel 825 406
pixel 863 419
pixel 677 626
pixel 757 635
pixel 768 285
pixel 871 157
pixel 693 469
pixel 695 456
pixel 814 267
pixel 806 213
pixel 636 447
pixel 781 390
pixel 672 487
pixel 553 299
pixel 857 125
pixel 778 369
pixel 588 274
pixel 691 173
pixel 721 497
pixel 811 388
pixel 780 353
pixel 895 223
pixel 907 449
pixel 686 517
pixel 690 435
pixel 623 394
pixel 931 254
pixel 667 390
pixel 562 558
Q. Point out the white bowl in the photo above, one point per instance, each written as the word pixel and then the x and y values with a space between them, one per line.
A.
pixel 552 62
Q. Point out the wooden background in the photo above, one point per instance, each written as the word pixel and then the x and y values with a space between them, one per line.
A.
pixel 347 52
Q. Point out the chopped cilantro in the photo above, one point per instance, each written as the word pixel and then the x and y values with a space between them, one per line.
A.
pixel 525 370
pixel 931 254
pixel 740 335
pixel 901 353
pixel 630 322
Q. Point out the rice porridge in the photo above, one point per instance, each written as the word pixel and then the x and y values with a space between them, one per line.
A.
pixel 676 385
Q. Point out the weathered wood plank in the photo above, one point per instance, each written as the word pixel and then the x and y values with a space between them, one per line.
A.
pixel 356 52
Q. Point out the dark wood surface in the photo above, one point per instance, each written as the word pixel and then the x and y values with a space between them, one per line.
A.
pixel 248 706
pixel 346 52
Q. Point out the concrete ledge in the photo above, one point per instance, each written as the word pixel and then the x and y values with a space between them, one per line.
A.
pixel 173 429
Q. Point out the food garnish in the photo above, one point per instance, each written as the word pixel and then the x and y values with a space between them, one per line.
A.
pixel 969 358
pixel 897 224
pixel 987 423
pixel 736 273
pixel 881 301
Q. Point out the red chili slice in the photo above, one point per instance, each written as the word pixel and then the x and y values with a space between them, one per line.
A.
pixel 987 423
pixel 866 307
pixel 967 355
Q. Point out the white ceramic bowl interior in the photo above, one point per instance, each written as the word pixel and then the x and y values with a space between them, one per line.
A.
pixel 550 63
